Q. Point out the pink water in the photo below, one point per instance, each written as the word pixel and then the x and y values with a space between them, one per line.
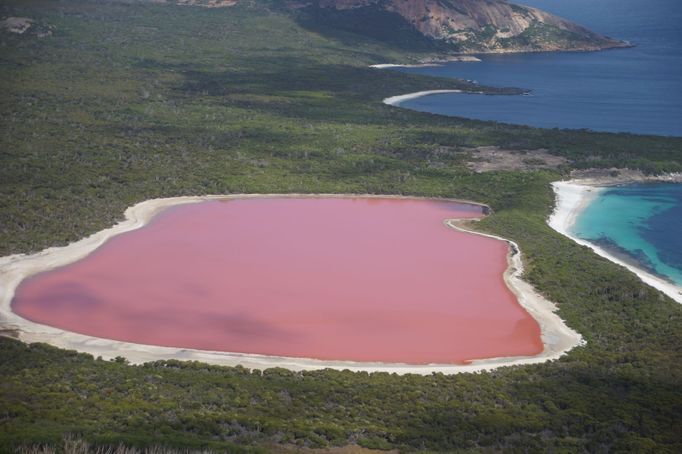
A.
pixel 329 278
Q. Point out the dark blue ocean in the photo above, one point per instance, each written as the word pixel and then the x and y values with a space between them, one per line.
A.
pixel 636 90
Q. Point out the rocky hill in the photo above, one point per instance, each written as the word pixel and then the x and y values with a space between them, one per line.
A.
pixel 463 26
pixel 448 26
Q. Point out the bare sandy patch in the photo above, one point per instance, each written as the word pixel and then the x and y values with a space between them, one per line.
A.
pixel 25 26
pixel 18 25
pixel 208 3
pixel 491 159
pixel 618 176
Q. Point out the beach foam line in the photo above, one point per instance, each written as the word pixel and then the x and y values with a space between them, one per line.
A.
pixel 572 197
pixel 557 338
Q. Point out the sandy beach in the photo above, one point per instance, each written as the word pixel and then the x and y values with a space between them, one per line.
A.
pixel 574 195
pixel 436 62
pixel 556 336
pixel 393 65
pixel 396 100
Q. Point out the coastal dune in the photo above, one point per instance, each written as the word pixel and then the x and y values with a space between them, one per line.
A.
pixel 557 339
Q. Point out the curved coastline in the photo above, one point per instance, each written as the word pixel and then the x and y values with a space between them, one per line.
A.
pixel 557 338
pixel 437 62
pixel 395 65
pixel 397 100
pixel 573 196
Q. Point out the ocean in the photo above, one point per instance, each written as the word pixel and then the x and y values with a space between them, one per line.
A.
pixel 641 222
pixel 637 90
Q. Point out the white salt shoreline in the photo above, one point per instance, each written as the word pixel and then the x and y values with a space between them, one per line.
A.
pixel 573 197
pixel 557 338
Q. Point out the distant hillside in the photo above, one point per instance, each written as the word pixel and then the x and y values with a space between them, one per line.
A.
pixel 462 26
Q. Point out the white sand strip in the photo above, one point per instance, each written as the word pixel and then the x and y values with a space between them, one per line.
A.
pixel 431 63
pixel 420 65
pixel 572 197
pixel 571 200
pixel 396 100
pixel 557 337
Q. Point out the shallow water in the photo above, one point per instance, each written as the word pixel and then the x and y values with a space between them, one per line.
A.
pixel 328 278
pixel 635 90
pixel 643 221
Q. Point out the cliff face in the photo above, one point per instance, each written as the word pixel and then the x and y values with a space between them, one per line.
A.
pixel 469 26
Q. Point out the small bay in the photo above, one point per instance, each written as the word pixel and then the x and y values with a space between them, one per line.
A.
pixel 637 90
pixel 641 222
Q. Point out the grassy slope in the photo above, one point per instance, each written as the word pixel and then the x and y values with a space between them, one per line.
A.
pixel 128 102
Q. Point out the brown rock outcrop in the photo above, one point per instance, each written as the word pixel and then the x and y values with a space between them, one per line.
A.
pixel 485 25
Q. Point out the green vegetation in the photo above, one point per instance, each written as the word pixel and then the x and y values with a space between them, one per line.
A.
pixel 75 445
pixel 370 23
pixel 131 101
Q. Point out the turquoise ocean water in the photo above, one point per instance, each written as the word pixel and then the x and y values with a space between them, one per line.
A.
pixel 642 222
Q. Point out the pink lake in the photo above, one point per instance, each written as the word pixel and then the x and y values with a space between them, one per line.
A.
pixel 360 279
